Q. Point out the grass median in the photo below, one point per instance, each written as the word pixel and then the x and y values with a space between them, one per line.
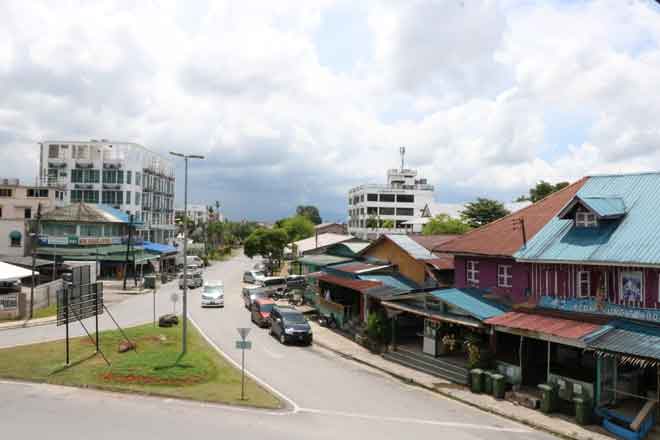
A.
pixel 153 369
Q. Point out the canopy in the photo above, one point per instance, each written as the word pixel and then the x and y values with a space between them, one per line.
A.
pixel 471 301
pixel 158 248
pixel 9 272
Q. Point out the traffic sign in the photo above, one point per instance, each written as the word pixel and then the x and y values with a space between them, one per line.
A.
pixel 244 345
pixel 243 331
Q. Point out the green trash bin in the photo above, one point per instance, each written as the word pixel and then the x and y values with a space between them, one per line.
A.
pixel 582 410
pixel 477 383
pixel 499 385
pixel 548 398
pixel 488 382
pixel 150 282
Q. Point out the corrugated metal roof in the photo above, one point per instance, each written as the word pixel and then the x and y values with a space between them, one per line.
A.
pixel 410 246
pixel 350 283
pixel 159 248
pixel 442 262
pixel 385 292
pixel 470 300
pixel 605 206
pixel 396 281
pixel 563 328
pixel 635 238
pixel 320 241
pixel 356 267
pixel 630 339
pixel 431 242
pixel 355 246
pixel 323 260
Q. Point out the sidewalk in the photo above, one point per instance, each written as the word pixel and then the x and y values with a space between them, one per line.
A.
pixel 554 424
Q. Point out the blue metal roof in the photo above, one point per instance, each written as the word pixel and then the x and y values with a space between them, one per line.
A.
pixel 629 338
pixel 119 215
pixel 396 281
pixel 158 248
pixel 605 206
pixel 414 249
pixel 471 301
pixel 634 238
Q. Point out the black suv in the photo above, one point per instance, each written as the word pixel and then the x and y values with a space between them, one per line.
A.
pixel 289 325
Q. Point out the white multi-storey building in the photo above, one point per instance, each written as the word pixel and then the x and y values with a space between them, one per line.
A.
pixel 123 175
pixel 384 209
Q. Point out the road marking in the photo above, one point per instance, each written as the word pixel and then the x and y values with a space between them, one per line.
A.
pixel 414 421
pixel 294 405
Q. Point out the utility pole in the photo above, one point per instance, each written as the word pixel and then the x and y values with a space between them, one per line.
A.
pixel 128 248
pixel 35 242
pixel 184 347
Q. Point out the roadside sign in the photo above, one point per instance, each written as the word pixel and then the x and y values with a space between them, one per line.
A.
pixel 174 297
pixel 243 331
pixel 244 345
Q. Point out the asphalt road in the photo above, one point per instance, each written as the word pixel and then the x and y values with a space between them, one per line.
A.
pixel 327 395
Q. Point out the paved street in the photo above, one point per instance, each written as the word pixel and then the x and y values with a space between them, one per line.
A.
pixel 328 395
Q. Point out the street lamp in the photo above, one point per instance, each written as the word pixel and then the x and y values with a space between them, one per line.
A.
pixel 185 249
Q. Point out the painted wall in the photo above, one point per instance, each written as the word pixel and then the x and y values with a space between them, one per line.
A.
pixel 408 266
pixel 488 276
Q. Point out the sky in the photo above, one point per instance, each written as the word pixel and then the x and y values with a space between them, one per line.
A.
pixel 294 102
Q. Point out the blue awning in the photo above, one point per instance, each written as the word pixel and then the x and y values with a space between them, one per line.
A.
pixel 471 301
pixel 158 248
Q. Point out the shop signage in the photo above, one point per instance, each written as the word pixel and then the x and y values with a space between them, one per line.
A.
pixel 593 306
pixel 74 240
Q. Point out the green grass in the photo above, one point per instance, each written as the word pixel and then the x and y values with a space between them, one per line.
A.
pixel 201 375
pixel 46 312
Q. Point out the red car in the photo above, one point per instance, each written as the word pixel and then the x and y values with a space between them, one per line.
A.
pixel 260 312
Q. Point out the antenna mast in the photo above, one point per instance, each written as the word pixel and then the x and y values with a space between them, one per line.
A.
pixel 402 151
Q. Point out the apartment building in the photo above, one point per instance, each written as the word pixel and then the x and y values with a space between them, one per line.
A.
pixel 123 175
pixel 19 205
pixel 376 209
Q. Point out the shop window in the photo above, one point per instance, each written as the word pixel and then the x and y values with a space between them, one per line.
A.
pixel 584 283
pixel 472 272
pixel 504 277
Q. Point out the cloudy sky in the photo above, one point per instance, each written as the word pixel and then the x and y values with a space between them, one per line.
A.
pixel 293 102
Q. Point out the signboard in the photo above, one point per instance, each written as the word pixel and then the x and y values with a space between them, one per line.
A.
pixel 81 299
pixel 74 240
pixel 8 302
pixel 631 286
pixel 243 331
pixel 244 345
pixel 592 306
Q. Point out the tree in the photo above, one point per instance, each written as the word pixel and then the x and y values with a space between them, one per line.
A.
pixel 311 212
pixel 387 224
pixel 483 211
pixel 443 224
pixel 269 243
pixel 372 222
pixel 297 227
pixel 541 190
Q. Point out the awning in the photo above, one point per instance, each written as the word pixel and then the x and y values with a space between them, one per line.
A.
pixel 631 341
pixel 396 281
pixel 547 328
pixel 9 272
pixel 322 260
pixel 417 308
pixel 24 261
pixel 385 292
pixel 349 283
pixel 471 301
pixel 86 251
pixel 158 248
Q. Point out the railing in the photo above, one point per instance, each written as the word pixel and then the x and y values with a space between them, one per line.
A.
pixel 394 188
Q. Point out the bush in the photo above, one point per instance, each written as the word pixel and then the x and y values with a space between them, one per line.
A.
pixel 379 328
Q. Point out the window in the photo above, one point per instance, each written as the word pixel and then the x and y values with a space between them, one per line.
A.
pixel 387 197
pixel 137 198
pixel 503 275
pixel 386 211
pixel 371 197
pixel 91 176
pixel 472 272
pixel 405 211
pixel 15 239
pixel 109 176
pixel 128 197
pixel 77 176
pixel 584 283
pixel 372 210
pixel 91 230
pixel 53 151
pixel 585 219
pixel 91 196
pixel 120 177
pixel 28 212
pixel 76 196
pixel 0 211
pixel 138 179
pixel 5 192
pixel 36 192
pixel 129 177
pixel 112 197
pixel 405 198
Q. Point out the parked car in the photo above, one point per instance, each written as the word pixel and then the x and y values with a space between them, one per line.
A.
pixel 289 325
pixel 194 280
pixel 260 311
pixel 251 294
pixel 213 294
pixel 253 276
pixel 274 284
pixel 259 266
pixel 190 259
pixel 295 281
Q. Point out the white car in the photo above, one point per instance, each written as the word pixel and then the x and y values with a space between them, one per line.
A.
pixel 194 280
pixel 253 276
pixel 213 294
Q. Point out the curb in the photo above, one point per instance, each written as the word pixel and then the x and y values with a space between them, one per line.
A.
pixel 27 324
pixel 489 410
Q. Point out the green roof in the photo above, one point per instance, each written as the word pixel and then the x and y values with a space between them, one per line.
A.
pixel 322 260
pixel 471 301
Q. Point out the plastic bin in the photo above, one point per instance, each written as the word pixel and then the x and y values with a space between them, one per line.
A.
pixel 499 385
pixel 488 382
pixel 549 398
pixel 477 382
pixel 150 282
pixel 582 410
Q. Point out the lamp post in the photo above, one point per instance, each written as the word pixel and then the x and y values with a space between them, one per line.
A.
pixel 185 249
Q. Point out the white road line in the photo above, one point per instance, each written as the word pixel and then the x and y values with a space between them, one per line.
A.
pixel 414 421
pixel 261 382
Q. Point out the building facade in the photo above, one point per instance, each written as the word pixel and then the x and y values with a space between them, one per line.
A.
pixel 375 209
pixel 19 205
pixel 125 176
